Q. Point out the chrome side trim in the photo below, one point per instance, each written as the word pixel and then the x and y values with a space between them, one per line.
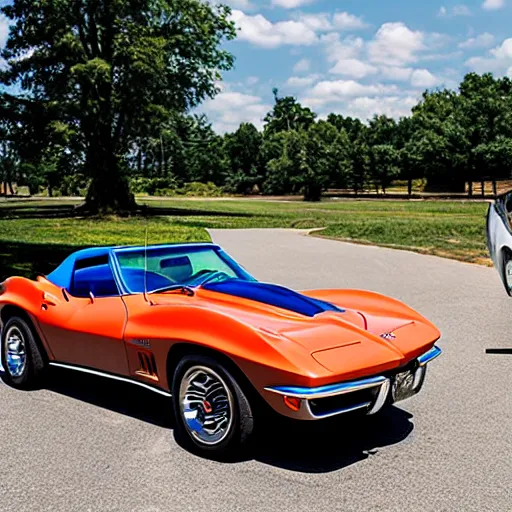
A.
pixel 109 376
pixel 329 390
pixel 336 412
pixel 425 358
pixel 381 397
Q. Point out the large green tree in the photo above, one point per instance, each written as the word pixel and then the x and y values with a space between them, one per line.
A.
pixel 287 114
pixel 243 151
pixel 113 68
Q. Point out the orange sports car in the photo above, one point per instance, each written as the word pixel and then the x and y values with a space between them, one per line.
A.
pixel 188 322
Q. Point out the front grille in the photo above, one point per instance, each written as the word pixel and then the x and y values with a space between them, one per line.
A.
pixel 410 366
pixel 339 403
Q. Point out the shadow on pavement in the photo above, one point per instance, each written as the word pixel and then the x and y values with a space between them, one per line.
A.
pixel 307 447
pixel 119 397
pixel 331 445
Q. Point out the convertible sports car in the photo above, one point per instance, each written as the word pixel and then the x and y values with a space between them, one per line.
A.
pixel 188 322
pixel 499 237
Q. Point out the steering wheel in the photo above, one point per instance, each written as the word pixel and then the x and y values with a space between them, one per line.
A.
pixel 214 274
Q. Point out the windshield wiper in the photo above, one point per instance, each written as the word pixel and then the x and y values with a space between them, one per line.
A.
pixel 183 289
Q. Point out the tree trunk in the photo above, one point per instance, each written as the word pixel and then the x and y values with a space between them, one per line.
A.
pixel 409 187
pixel 470 188
pixel 483 188
pixel 494 188
pixel 312 192
pixel 109 191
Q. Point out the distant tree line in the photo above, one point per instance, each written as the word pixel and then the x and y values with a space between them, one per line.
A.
pixel 450 139
pixel 96 99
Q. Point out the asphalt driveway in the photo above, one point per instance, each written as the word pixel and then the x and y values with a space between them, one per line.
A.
pixel 91 445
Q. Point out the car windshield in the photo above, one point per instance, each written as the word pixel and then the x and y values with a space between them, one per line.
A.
pixel 166 267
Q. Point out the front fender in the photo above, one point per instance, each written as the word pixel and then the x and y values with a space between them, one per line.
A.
pixel 263 356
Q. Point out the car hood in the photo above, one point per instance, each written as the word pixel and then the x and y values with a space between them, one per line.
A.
pixel 335 334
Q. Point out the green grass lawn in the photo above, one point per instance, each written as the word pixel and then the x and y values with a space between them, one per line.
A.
pixel 36 235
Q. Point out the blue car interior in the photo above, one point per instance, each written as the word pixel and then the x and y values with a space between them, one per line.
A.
pixel 178 269
pixel 98 280
pixel 89 271
pixel 136 283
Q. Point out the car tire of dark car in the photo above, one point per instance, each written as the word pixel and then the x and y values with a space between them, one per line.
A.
pixel 506 260
pixel 22 360
pixel 213 416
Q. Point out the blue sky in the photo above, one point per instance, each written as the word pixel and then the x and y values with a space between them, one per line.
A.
pixel 356 57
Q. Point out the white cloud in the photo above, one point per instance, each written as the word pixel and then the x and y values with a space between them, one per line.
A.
pixel 346 21
pixel 504 51
pixel 461 10
pixel 492 5
pixel 498 61
pixel 252 80
pixel 395 44
pixel 246 5
pixel 291 4
pixel 366 107
pixel 4 30
pixel 423 78
pixel 320 22
pixel 332 91
pixel 396 73
pixel 299 82
pixel 262 32
pixel 353 68
pixel 228 109
pixel 336 48
pixel 481 41
pixel 302 66
pixel 442 56
pixel 240 4
pixel 325 22
pixel 457 10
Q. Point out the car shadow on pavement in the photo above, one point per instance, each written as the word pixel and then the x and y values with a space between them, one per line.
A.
pixel 331 445
pixel 307 447
pixel 115 396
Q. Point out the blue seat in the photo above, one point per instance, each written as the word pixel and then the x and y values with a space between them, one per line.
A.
pixel 98 280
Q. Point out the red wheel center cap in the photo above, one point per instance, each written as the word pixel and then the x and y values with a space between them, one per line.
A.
pixel 207 407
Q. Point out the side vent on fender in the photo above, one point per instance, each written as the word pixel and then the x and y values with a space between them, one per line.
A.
pixel 147 366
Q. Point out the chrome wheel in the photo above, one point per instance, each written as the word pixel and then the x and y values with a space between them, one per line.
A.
pixel 508 274
pixel 15 352
pixel 206 405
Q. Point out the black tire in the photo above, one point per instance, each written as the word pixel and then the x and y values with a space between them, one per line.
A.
pixel 507 256
pixel 241 427
pixel 32 375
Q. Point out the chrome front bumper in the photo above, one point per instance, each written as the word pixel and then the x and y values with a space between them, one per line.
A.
pixel 368 394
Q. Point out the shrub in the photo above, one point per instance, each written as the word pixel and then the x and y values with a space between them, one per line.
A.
pixel 152 186
pixel 197 189
pixel 167 187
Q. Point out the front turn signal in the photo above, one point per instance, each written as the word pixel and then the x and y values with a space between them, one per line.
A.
pixel 292 402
